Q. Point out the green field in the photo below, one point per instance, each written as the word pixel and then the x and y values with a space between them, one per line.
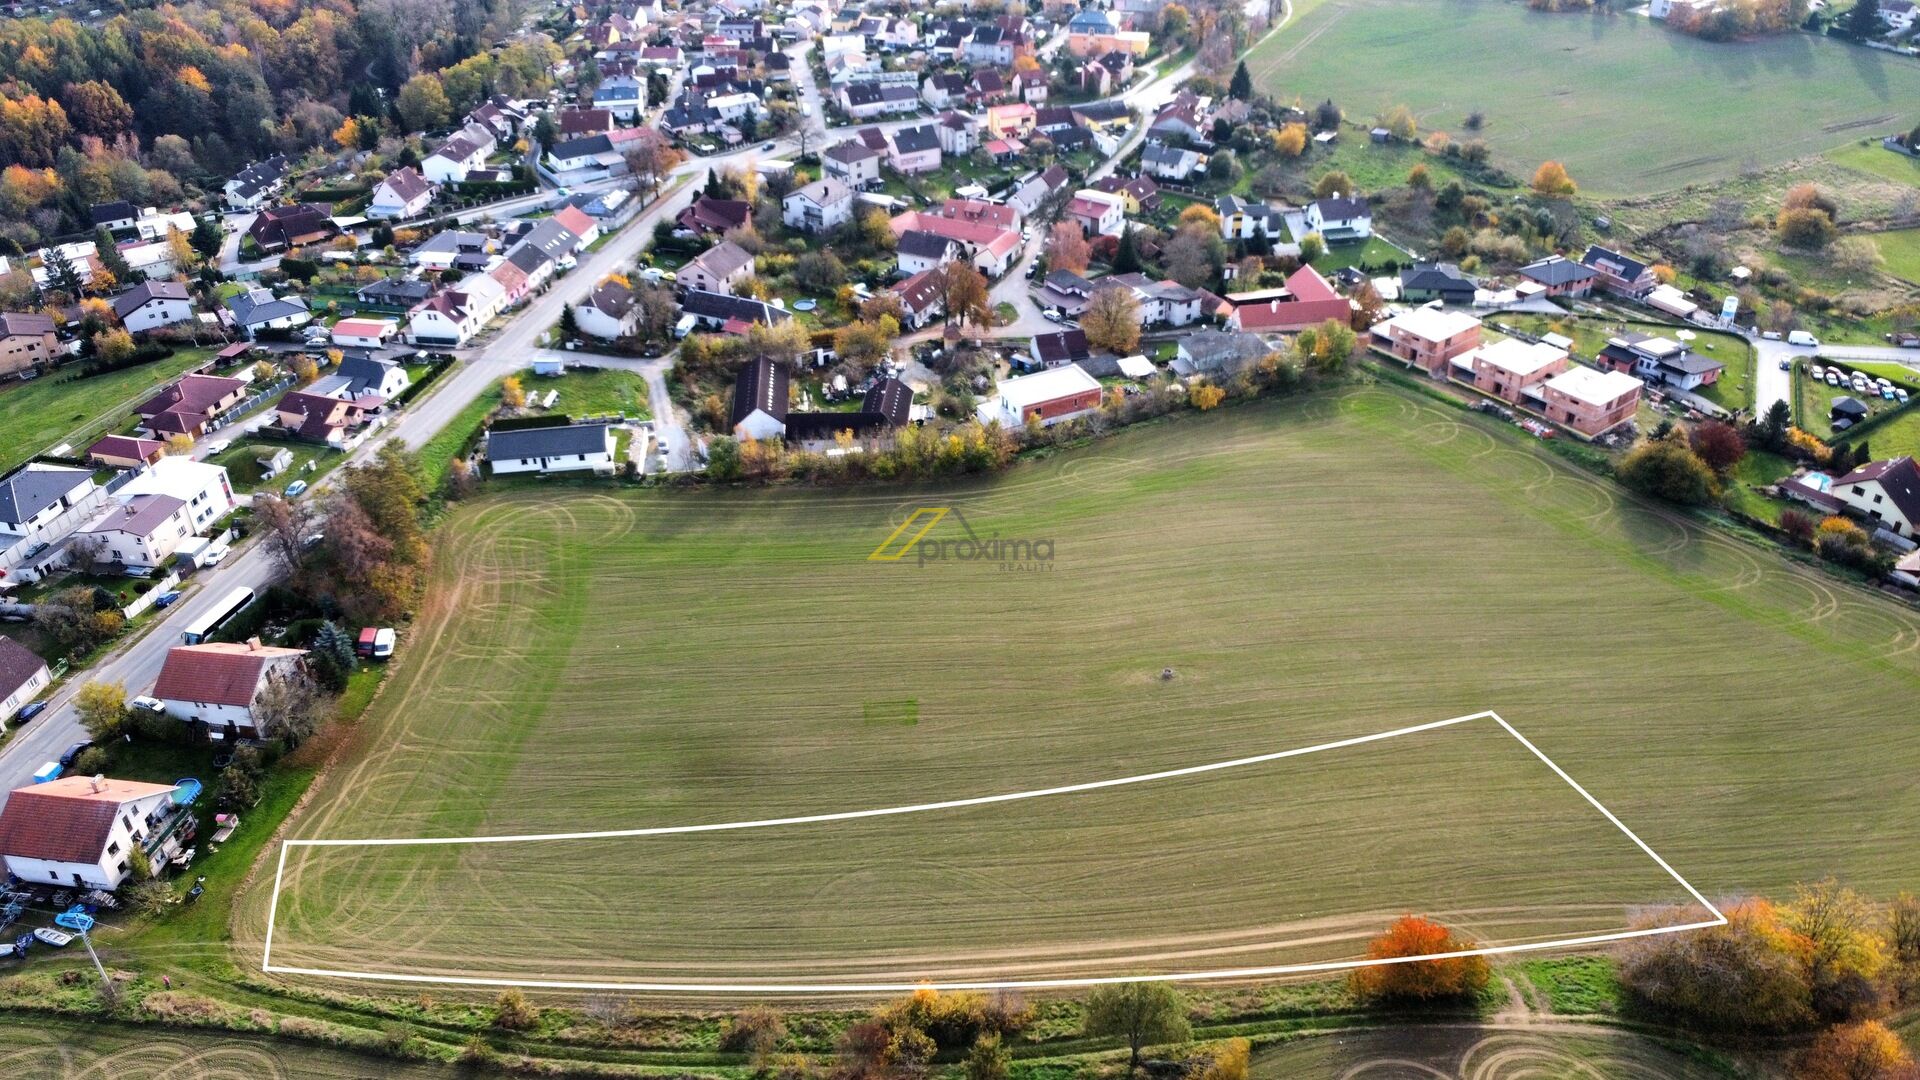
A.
pixel 593 393
pixel 1901 249
pixel 1872 158
pixel 604 661
pixel 55 1049
pixel 1580 88
pixel 1479 1053
pixel 37 415
pixel 242 462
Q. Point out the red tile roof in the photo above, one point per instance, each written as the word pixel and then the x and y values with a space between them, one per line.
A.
pixel 66 820
pixel 217 673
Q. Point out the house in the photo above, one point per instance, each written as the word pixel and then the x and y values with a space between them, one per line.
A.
pixel 185 407
pixel 989 246
pixel 1159 303
pixel 154 226
pixel 22 676
pixel 202 485
pixel 1217 353
pixel 1619 274
pixel 26 340
pixel 1561 276
pixel 403 194
pixel 153 304
pixel 258 310
pixel 1898 15
pixel 922 296
pixel 622 95
pixel 113 216
pixel 252 186
pixel 1242 219
pixel 140 532
pixel 1140 192
pixel 1014 121
pixel 1428 338
pixel 278 228
pixel 1059 348
pixel 919 250
pixel 1661 360
pixel 1030 195
pixel 364 333
pixel 463 152
pixel 447 250
pixel 574 220
pixel 588 157
pixel 864 100
pixel 126 452
pixel 915 150
pixel 941 89
pixel 453 316
pixel 1589 402
pixel 1169 162
pixel 1340 219
pixel 361 376
pixel 576 123
pixel 710 215
pixel 40 504
pixel 321 419
pixel 714 311
pixel 1097 213
pixel 819 207
pixel 853 163
pixel 1031 87
pixel 1425 282
pixel 1178 122
pixel 1104 115
pixel 958 133
pixel 81 832
pixel 1052 396
pixel 1306 300
pixel 1886 493
pixel 1509 366
pixel 609 312
pixel 215 687
pixel 760 401
pixel 393 292
pixel 586 447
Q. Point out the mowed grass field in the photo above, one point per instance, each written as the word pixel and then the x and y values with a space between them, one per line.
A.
pixel 47 1048
pixel 38 414
pixel 1435 1052
pixel 1628 106
pixel 1309 570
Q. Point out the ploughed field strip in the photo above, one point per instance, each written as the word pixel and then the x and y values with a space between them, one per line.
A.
pixel 1310 571
pixel 1574 87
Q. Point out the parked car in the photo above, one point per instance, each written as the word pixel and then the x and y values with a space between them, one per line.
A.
pixel 28 711
pixel 150 704
pixel 383 643
pixel 295 488
pixel 1802 338
pixel 166 599
pixel 766 146
pixel 73 753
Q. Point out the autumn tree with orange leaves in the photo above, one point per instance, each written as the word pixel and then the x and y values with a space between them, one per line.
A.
pixel 1551 179
pixel 1424 980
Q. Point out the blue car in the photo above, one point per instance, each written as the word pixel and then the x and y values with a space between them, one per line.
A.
pixel 295 488
pixel 29 711
pixel 166 599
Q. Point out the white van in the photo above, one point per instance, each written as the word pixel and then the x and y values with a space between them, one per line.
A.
pixel 1801 337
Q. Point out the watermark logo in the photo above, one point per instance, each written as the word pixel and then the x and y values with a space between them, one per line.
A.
pixel 912 540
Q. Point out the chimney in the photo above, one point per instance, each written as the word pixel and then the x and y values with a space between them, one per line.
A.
pixel 253 644
pixel 97 783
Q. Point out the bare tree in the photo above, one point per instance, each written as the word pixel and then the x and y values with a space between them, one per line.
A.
pixel 291 708
pixel 283 528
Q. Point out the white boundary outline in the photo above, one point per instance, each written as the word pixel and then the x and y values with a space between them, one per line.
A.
pixel 267 965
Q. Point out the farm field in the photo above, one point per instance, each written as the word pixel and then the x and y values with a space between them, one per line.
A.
pixel 35 1045
pixel 1573 88
pixel 1467 1052
pixel 39 414
pixel 605 661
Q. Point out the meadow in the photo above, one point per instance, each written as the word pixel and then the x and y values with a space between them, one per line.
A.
pixel 37 415
pixel 1309 570
pixel 1628 106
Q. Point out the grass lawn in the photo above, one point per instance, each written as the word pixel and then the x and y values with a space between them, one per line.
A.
pixel 593 393
pixel 1661 665
pixel 1758 469
pixel 1869 157
pixel 242 461
pixel 41 413
pixel 1447 1051
pixel 1574 88
pixel 1733 392
pixel 1901 249
pixel 53 1048
pixel 1374 252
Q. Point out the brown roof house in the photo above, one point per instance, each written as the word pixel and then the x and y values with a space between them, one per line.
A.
pixel 185 407
pixel 82 830
pixel 280 227
pixel 26 339
pixel 216 686
pixel 22 676
pixel 328 420
pixel 1886 493
pixel 718 269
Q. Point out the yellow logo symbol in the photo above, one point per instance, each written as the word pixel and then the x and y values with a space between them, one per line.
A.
pixel 917 525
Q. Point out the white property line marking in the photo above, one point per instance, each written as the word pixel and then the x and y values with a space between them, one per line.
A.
pixel 267 965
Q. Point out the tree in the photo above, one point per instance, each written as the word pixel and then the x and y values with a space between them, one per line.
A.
pixel 866 343
pixel 1846 955
pixel 964 294
pixel 207 237
pixel 1199 214
pixel 512 393
pixel 1126 256
pixel 1112 321
pixel 1400 121
pixel 422 104
pixel 1325 348
pixel 1863 1051
pixel 1205 396
pixel 1419 179
pixel 181 250
pixel 330 655
pixel 1331 183
pixel 1667 469
pixel 1141 1013
pixel 1811 197
pixel 1312 246
pixel 103 709
pixel 1718 444
pixel 1327 115
pixel 1805 227
pixel 988 1059
pixel 723 458
pixel 290 708
pixel 1290 140
pixel 512 1010
pixel 1229 1061
pixel 755 1031
pixel 1863 21
pixel 820 271
pixel 1241 88
pixel 180 444
pixel 1424 980
pixel 1551 180
pixel 1067 248
pixel 283 526
pixel 877 230
pixel 1747 975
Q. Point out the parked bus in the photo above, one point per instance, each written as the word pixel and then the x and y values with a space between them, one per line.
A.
pixel 207 625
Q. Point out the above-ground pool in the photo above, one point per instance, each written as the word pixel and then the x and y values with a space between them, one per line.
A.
pixel 185 791
pixel 1819 481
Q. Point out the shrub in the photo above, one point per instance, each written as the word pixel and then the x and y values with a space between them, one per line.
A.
pixel 1421 981
pixel 1863 1051
pixel 755 1031
pixel 1749 974
pixel 512 1011
pixel 1667 469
